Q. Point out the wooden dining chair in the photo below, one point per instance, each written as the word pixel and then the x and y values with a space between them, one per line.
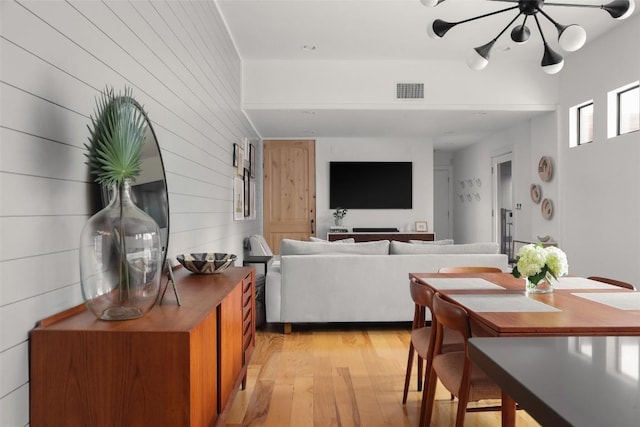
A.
pixel 471 269
pixel 455 370
pixel 423 336
pixel 613 282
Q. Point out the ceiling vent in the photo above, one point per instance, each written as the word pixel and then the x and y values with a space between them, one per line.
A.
pixel 409 90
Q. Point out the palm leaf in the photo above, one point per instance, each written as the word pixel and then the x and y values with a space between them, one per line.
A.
pixel 116 136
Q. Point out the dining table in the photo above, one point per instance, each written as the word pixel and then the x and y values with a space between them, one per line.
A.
pixel 498 306
pixel 566 381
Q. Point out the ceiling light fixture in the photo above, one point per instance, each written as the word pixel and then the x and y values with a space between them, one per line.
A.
pixel 570 37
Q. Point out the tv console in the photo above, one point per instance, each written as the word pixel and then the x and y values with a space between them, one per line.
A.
pixel 372 236
pixel 375 230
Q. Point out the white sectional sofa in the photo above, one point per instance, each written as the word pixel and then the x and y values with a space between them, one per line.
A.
pixel 359 282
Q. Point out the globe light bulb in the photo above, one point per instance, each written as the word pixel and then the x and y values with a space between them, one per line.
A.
pixel 572 38
pixel 520 34
pixel 432 34
pixel 475 61
pixel 431 3
pixel 632 7
pixel 553 68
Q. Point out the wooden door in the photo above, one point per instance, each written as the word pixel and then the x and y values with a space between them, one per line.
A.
pixel 289 191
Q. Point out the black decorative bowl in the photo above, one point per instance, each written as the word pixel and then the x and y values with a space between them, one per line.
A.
pixel 207 262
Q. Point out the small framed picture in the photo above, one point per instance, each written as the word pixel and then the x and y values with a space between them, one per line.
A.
pixel 247 194
pixel 238 159
pixel 238 199
pixel 421 225
pixel 236 153
pixel 252 160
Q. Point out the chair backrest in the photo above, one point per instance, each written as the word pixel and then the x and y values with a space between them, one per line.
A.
pixel 613 282
pixel 465 269
pixel 451 316
pixel 421 295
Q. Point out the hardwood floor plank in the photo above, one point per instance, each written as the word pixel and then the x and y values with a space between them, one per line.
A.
pixel 345 398
pixel 302 402
pixel 340 375
pixel 280 406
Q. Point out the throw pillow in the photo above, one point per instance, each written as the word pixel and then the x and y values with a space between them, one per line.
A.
pixel 316 239
pixel 401 248
pixel 433 242
pixel 297 247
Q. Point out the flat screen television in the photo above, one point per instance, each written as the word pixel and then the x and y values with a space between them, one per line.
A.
pixel 371 185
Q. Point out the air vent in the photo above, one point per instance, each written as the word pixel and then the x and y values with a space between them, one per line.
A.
pixel 410 91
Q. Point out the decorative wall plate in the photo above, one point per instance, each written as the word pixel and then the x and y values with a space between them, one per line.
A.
pixel 545 168
pixel 547 209
pixel 536 193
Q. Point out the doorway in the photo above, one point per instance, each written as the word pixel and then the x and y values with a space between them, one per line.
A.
pixel 289 191
pixel 502 210
pixel 442 206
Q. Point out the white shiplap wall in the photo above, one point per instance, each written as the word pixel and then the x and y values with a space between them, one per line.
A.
pixel 55 58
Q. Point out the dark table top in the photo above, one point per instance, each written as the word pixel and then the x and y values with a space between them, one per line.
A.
pixel 567 381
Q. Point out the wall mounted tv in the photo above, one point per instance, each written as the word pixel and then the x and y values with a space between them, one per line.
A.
pixel 370 185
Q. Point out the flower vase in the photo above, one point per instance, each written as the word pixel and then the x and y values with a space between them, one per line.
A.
pixel 544 286
pixel 338 222
pixel 120 256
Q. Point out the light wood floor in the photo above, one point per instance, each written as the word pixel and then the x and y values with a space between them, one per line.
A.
pixel 339 376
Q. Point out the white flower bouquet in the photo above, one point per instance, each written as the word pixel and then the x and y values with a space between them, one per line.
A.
pixel 536 263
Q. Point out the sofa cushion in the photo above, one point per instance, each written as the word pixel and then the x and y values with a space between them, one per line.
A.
pixel 316 239
pixel 297 247
pixel 401 248
pixel 433 242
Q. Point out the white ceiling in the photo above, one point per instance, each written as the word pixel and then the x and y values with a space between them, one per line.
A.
pixel 388 30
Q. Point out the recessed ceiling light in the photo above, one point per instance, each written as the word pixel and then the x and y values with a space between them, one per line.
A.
pixel 309 112
pixel 309 47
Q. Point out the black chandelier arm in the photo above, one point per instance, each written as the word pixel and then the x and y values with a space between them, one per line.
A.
pixel 550 59
pixel 544 41
pixel 487 14
pixel 507 27
pixel 549 18
pixel 615 8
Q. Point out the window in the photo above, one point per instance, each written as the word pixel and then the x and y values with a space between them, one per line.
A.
pixel 585 124
pixel 629 110
pixel 627 357
pixel 581 124
pixel 623 110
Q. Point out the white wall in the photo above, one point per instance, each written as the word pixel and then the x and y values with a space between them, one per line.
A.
pixel 472 220
pixel 418 151
pixel 371 84
pixel 599 181
pixel 527 142
pixel 56 56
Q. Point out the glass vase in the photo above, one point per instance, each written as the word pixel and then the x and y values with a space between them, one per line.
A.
pixel 544 286
pixel 120 255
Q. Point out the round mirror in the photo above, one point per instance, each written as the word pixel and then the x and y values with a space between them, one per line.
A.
pixel 149 192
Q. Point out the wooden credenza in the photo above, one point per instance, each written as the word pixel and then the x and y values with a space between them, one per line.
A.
pixel 369 237
pixel 176 366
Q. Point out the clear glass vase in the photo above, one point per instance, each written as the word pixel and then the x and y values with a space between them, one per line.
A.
pixel 544 286
pixel 120 255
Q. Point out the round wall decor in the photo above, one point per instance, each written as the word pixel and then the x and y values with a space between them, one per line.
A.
pixel 547 208
pixel 536 193
pixel 545 168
